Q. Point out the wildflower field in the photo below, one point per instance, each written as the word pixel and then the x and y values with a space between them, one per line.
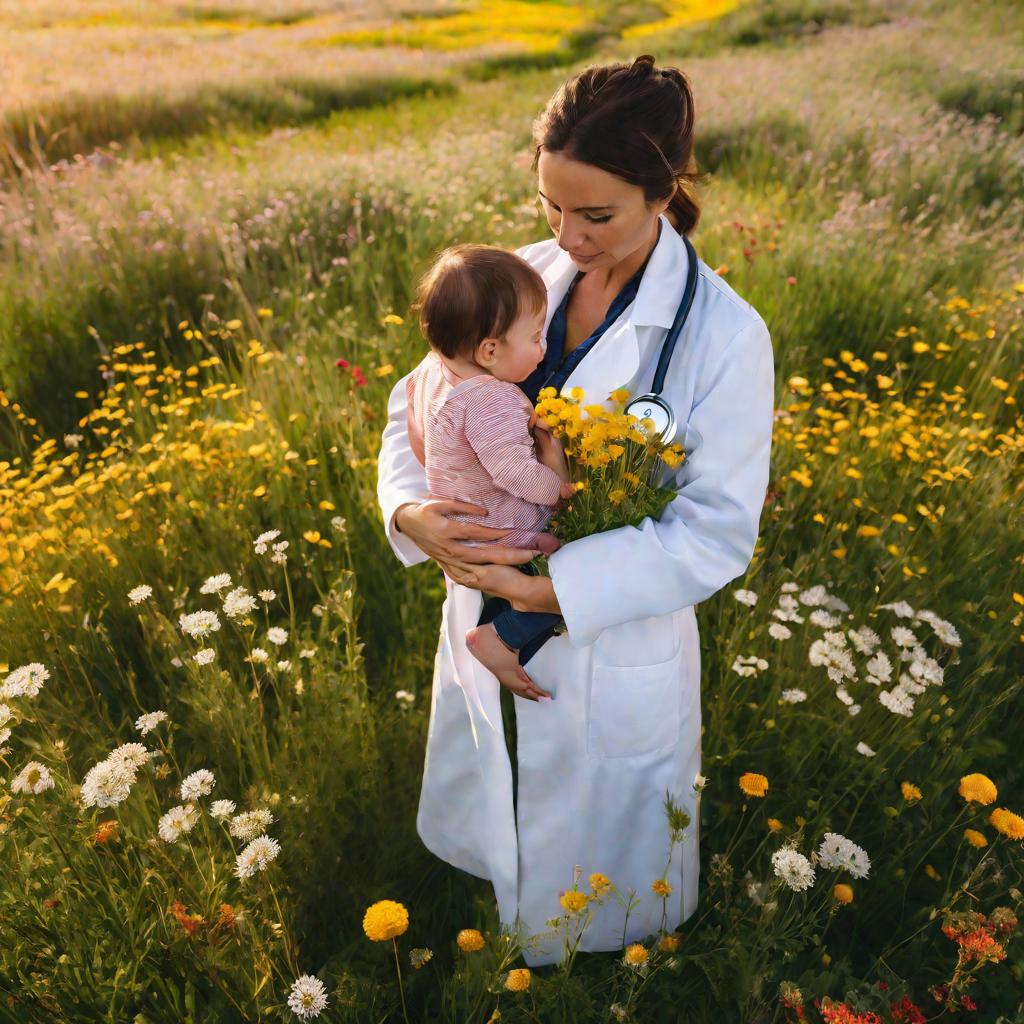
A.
pixel 214 673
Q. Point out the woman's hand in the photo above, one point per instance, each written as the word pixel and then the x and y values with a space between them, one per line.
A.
pixel 427 525
pixel 524 593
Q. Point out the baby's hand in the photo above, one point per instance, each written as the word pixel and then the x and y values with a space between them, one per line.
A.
pixel 568 490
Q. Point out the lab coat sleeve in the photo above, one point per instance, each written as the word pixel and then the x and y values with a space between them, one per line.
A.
pixel 401 477
pixel 706 535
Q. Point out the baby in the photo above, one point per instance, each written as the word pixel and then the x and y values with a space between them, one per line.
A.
pixel 482 310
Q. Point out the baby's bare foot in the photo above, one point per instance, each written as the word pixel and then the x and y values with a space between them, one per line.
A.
pixel 489 649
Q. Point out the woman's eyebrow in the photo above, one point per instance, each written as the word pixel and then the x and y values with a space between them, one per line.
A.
pixel 580 209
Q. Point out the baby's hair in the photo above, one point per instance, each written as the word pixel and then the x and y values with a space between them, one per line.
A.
pixel 471 292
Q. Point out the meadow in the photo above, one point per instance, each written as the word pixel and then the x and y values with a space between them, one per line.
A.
pixel 215 676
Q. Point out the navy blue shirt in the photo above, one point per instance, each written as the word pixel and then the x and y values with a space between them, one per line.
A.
pixel 554 370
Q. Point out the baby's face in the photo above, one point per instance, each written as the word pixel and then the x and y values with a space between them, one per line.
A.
pixel 522 350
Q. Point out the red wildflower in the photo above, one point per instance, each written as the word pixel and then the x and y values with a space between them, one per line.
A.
pixel 906 1011
pixel 343 363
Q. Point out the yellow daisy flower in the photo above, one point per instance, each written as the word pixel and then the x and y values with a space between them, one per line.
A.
pixel 979 788
pixel 635 954
pixel 573 901
pixel 842 893
pixel 470 940
pixel 518 980
pixel 975 838
pixel 910 791
pixel 753 784
pixel 1008 823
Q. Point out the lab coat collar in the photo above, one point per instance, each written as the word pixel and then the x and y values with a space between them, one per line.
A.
pixel 654 304
pixel 615 356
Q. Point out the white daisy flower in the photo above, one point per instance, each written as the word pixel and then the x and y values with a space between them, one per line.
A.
pixel 837 851
pixel 831 653
pixel 854 709
pixel 149 721
pixel 928 670
pixel 222 808
pixel 6 714
pixel 107 784
pixel 793 868
pixel 778 631
pixel 338 523
pixel 277 635
pixel 215 584
pixel 139 594
pixel 879 669
pixel 33 778
pixel 792 696
pixel 176 661
pixel 405 696
pixel 897 701
pixel 261 542
pixel 73 440
pixel 816 595
pixel 177 821
pixel 283 665
pixel 307 997
pixel 199 783
pixel 279 556
pixel 824 619
pixel 132 755
pixel 900 608
pixel 864 639
pixel 298 686
pixel 24 681
pixel 863 748
pixel 308 652
pixel 788 588
pixel 239 602
pixel 249 824
pixel 945 631
pixel 904 637
pixel 199 624
pixel 699 781
pixel 258 655
pixel 204 656
pixel 748 665
pixel 843 695
pixel 267 595
pixel 256 856
pixel 788 610
pixel 747 597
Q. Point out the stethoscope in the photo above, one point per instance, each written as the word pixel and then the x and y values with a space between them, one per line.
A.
pixel 652 406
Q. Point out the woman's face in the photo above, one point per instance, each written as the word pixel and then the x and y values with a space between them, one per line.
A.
pixel 597 217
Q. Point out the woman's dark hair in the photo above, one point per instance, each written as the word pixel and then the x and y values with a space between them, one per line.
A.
pixel 632 120
pixel 473 291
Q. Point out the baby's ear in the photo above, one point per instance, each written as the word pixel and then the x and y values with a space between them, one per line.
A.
pixel 485 351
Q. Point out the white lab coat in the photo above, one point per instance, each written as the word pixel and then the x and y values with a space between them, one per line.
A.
pixel 624 727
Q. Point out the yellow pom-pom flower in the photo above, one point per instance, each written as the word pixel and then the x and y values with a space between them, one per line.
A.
pixel 753 784
pixel 599 882
pixel 470 940
pixel 979 788
pixel 573 901
pixel 910 791
pixel 661 887
pixel 518 980
pixel 975 838
pixel 635 954
pixel 1008 823
pixel 842 893
pixel 384 920
pixel 668 943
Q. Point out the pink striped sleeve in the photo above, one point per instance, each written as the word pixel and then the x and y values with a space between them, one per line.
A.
pixel 496 426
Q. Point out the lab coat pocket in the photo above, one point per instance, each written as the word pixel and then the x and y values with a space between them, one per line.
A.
pixel 634 709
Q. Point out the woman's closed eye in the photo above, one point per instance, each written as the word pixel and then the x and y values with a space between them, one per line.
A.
pixel 593 220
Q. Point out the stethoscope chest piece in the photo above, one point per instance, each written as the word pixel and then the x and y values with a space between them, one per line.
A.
pixel 654 408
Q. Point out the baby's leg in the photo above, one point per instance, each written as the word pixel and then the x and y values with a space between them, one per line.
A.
pixel 503 661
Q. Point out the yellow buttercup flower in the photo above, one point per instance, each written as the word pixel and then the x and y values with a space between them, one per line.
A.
pixel 979 788
pixel 975 838
pixel 573 901
pixel 392 318
pixel 470 940
pixel 518 980
pixel 635 954
pixel 617 497
pixel 774 824
pixel 599 882
pixel 910 791
pixel 1008 823
pixel 842 893
pixel 661 887
pixel 619 395
pixel 668 943
pixel 753 784
pixel 384 920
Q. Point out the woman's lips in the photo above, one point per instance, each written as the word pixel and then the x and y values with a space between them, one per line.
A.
pixel 577 256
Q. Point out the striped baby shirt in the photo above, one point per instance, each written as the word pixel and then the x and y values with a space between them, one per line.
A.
pixel 471 436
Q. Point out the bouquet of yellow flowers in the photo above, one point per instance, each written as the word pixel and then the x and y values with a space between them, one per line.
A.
pixel 615 460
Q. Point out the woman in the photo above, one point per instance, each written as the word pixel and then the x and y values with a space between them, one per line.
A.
pixel 593 765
